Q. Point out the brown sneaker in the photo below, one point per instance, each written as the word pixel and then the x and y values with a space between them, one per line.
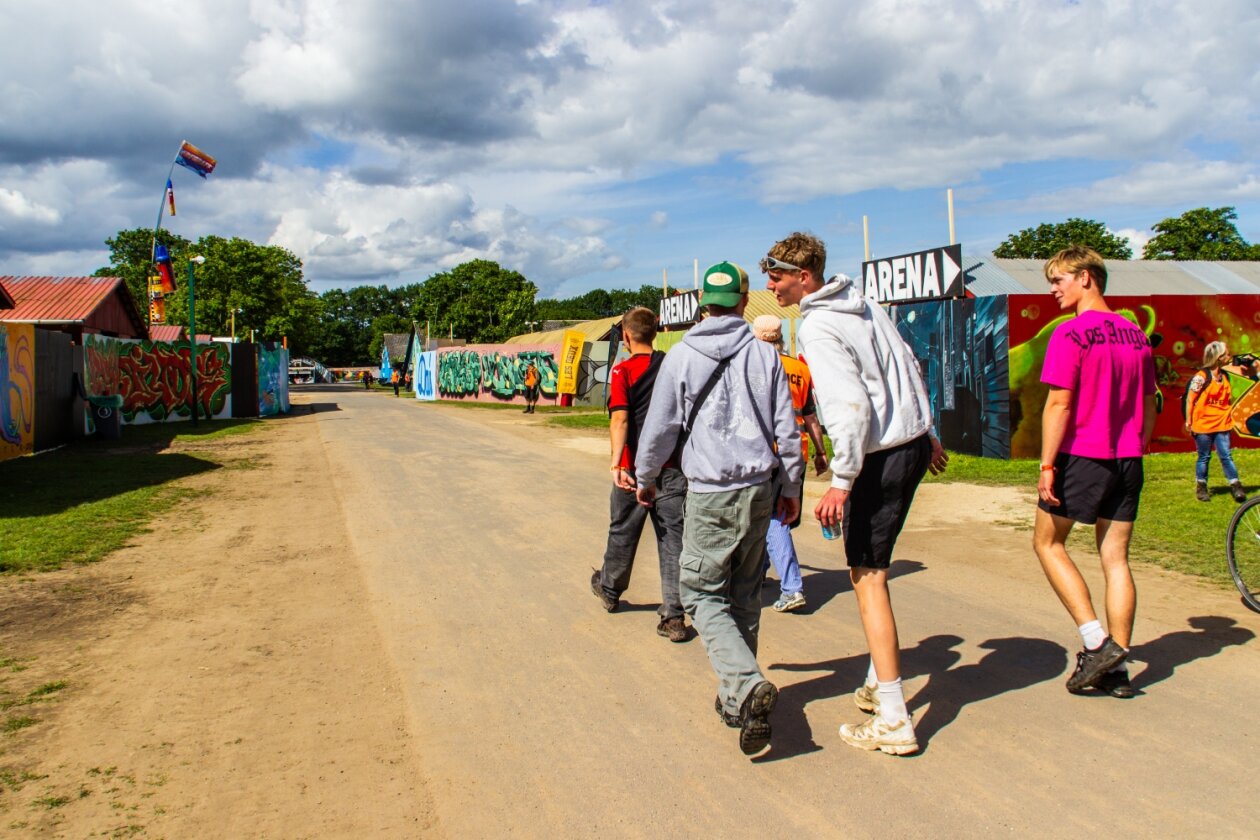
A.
pixel 609 602
pixel 1201 492
pixel 674 629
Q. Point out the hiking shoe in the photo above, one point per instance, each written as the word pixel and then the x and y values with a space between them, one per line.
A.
pixel 1201 492
pixel 754 717
pixel 609 602
pixel 1236 490
pixel 866 698
pixel 878 734
pixel 1091 665
pixel 789 601
pixel 674 629
pixel 1116 683
pixel 729 719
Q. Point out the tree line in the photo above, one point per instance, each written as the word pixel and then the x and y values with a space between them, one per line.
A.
pixel 1200 234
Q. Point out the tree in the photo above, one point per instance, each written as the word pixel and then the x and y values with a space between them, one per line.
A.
pixel 1200 234
pixel 478 301
pixel 131 258
pixel 1046 240
pixel 598 304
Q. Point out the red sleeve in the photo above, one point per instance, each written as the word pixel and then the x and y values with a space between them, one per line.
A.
pixel 618 389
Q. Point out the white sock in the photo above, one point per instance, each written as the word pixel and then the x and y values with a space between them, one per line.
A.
pixel 1092 634
pixel 892 703
pixel 871 679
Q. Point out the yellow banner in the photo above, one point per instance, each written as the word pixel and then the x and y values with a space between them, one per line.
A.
pixel 570 358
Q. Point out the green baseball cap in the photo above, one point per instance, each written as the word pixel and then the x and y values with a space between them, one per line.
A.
pixel 724 285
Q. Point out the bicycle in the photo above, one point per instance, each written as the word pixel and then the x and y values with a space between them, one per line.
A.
pixel 1242 551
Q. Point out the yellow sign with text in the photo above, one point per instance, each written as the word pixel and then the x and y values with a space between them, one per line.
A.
pixel 570 358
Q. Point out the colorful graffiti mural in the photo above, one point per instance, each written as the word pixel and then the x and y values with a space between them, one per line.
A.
pixel 1178 327
pixel 17 390
pixel 153 377
pixel 494 372
pixel 273 381
pixel 425 378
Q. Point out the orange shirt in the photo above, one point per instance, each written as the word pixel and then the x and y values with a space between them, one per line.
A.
pixel 801 384
pixel 1211 404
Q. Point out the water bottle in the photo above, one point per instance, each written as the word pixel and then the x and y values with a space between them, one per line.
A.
pixel 829 534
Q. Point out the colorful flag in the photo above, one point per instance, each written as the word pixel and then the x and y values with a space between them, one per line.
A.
pixel 162 258
pixel 170 195
pixel 190 157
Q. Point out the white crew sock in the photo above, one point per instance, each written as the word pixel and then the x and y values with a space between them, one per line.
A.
pixel 871 679
pixel 1092 634
pixel 892 702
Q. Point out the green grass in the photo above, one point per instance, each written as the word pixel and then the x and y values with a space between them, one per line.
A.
pixel 1173 530
pixel 79 503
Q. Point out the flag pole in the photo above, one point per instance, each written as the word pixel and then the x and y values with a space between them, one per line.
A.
pixel 153 242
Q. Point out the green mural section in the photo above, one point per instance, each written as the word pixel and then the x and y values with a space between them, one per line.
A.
pixel 495 373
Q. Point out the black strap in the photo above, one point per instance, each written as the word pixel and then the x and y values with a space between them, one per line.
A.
pixel 695 407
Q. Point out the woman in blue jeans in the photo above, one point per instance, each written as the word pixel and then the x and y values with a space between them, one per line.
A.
pixel 1208 406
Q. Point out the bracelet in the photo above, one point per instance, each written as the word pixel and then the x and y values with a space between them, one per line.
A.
pixel 616 469
pixel 1050 467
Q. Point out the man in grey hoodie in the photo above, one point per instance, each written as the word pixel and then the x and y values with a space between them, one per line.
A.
pixel 728 396
pixel 872 401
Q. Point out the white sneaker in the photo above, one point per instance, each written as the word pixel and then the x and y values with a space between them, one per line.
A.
pixel 877 734
pixel 866 698
pixel 789 601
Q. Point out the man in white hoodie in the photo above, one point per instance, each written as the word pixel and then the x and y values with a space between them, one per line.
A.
pixel 724 397
pixel 873 403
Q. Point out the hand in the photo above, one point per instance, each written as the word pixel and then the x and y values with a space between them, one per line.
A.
pixel 940 458
pixel 623 479
pixel 1045 487
pixel 820 463
pixel 647 495
pixel 830 508
pixel 787 510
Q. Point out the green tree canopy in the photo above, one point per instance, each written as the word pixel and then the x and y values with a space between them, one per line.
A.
pixel 477 300
pixel 597 304
pixel 131 258
pixel 1046 240
pixel 1200 234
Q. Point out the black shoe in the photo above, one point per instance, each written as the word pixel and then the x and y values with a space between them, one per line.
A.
pixel 1091 665
pixel 609 602
pixel 1116 683
pixel 729 719
pixel 1235 490
pixel 754 717
pixel 674 629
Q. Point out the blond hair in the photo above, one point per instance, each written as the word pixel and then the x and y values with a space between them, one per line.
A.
pixel 1213 353
pixel 1077 258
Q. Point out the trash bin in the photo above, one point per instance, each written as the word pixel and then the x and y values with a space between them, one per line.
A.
pixel 105 413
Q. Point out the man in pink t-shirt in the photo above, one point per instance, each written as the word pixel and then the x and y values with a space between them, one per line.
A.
pixel 1097 422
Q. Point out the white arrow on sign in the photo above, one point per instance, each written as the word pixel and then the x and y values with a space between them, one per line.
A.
pixel 950 270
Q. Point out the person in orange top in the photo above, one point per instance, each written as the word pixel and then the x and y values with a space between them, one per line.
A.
pixel 779 543
pixel 531 387
pixel 1208 405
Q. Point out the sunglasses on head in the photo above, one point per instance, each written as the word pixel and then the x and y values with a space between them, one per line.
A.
pixel 771 264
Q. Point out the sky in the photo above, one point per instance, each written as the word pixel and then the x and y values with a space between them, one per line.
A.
pixel 610 144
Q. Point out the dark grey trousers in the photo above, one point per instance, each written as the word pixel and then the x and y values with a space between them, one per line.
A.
pixel 625 527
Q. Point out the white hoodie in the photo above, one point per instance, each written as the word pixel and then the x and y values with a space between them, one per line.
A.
pixel 867 382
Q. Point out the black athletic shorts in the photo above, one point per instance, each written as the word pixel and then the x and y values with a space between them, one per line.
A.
pixel 880 501
pixel 1090 489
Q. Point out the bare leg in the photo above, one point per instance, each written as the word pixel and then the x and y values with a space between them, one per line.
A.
pixel 875 608
pixel 1050 532
pixel 1113 550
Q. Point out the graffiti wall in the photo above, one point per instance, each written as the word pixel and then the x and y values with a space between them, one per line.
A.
pixel 1178 326
pixel 494 372
pixel 17 390
pixel 961 348
pixel 154 378
pixel 273 381
pixel 425 378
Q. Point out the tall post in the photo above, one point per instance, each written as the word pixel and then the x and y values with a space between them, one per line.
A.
pixel 866 237
pixel 192 343
pixel 949 197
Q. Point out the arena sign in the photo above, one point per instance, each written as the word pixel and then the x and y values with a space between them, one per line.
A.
pixel 679 309
pixel 926 275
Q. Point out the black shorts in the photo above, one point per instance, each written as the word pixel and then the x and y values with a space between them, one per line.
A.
pixel 880 501
pixel 1090 489
pixel 531 393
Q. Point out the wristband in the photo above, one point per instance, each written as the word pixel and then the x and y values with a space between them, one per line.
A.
pixel 616 469
pixel 1051 467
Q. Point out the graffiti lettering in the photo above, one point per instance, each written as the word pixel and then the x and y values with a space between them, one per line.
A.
pixel 153 377
pixel 464 373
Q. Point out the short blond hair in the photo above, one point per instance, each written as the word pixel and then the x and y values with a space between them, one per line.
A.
pixel 1077 258
pixel 1213 353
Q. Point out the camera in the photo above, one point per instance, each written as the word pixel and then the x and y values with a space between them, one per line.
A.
pixel 1243 359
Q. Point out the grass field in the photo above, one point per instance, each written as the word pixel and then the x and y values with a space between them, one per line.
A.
pixel 79 503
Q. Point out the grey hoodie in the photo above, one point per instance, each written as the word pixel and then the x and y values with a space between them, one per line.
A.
pixel 867 384
pixel 730 445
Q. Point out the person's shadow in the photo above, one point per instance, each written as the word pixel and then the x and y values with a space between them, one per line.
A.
pixel 1014 663
pixel 1163 655
pixel 792 734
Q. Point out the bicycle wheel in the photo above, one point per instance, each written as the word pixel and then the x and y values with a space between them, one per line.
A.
pixel 1242 551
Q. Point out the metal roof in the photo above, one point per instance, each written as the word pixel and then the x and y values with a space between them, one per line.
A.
pixel 167 332
pixel 987 276
pixel 398 345
pixel 66 300
pixel 6 302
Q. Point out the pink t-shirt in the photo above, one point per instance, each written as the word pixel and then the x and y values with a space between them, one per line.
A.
pixel 1105 361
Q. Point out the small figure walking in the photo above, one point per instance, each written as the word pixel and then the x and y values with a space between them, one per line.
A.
pixel 1209 400
pixel 531 387
pixel 395 380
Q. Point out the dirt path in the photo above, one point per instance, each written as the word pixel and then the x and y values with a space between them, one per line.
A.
pixel 395 636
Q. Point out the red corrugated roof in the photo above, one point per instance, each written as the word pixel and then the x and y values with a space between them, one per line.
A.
pixel 6 302
pixel 66 299
pixel 166 332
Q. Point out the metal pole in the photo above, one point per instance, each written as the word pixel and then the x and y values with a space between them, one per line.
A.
pixel 192 345
pixel 233 326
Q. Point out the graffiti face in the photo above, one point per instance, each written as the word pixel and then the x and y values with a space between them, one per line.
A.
pixel 497 372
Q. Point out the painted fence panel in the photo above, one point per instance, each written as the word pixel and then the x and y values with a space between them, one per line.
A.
pixel 425 378
pixel 273 381
pixel 495 372
pixel 154 379
pixel 17 390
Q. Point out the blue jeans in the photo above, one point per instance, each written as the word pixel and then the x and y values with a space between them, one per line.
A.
pixel 1205 443
pixel 783 555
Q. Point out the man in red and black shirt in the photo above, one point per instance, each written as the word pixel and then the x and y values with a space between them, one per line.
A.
pixel 629 393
